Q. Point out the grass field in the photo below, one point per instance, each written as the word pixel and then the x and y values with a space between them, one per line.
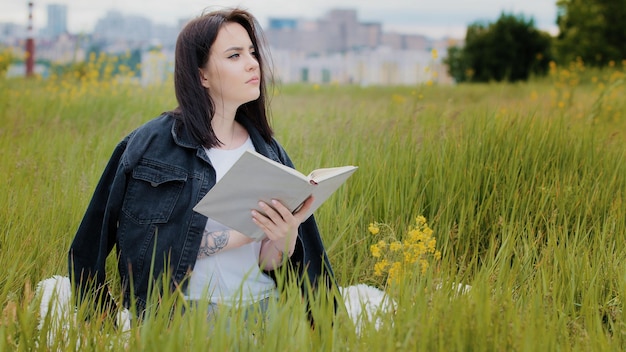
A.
pixel 523 187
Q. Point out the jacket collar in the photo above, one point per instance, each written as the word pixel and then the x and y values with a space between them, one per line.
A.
pixel 181 135
pixel 184 139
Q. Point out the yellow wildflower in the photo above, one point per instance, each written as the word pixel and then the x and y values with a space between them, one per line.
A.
pixel 414 235
pixel 380 267
pixel 410 257
pixel 431 245
pixel 398 99
pixel 395 271
pixel 412 253
pixel 395 246
pixel 420 220
pixel 375 250
pixel 552 65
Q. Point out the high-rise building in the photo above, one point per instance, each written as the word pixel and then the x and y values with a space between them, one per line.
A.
pixel 57 20
pixel 115 27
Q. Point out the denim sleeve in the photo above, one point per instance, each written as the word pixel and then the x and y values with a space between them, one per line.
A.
pixel 96 235
pixel 282 154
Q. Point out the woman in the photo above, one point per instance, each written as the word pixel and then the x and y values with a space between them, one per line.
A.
pixel 143 202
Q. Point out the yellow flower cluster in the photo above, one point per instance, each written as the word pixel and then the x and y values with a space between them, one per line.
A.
pixel 99 73
pixel 434 54
pixel 608 83
pixel 6 57
pixel 373 228
pixel 399 257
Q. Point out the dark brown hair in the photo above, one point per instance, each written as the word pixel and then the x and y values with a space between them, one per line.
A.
pixel 193 47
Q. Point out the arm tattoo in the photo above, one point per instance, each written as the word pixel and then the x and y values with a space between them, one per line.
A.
pixel 213 242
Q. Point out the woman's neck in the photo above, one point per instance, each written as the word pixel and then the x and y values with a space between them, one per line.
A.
pixel 228 131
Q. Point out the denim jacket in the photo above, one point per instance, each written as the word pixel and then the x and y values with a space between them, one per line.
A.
pixel 143 204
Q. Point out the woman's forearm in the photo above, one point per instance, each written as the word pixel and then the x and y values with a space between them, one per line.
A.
pixel 273 253
pixel 219 241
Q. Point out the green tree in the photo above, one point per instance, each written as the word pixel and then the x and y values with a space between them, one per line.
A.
pixel 594 30
pixel 457 67
pixel 511 49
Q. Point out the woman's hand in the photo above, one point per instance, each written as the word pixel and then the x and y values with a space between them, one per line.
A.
pixel 280 225
pixel 281 228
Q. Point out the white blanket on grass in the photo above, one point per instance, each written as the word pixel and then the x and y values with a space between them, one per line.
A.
pixel 363 304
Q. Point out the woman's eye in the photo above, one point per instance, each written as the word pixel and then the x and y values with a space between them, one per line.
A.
pixel 233 56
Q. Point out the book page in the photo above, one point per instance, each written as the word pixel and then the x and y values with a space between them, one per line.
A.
pixel 327 186
pixel 320 175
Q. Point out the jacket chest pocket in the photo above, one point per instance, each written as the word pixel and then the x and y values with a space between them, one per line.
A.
pixel 153 190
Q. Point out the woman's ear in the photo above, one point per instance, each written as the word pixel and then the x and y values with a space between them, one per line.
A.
pixel 204 77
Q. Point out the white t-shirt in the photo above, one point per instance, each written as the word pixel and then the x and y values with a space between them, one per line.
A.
pixel 233 276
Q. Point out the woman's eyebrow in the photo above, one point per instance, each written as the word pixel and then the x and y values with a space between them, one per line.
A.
pixel 237 48
pixel 234 48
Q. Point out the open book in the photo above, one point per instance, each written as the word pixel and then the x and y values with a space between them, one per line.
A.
pixel 255 178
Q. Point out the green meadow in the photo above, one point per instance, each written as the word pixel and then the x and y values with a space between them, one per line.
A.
pixel 523 186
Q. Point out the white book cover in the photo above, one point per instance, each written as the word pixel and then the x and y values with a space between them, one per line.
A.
pixel 255 178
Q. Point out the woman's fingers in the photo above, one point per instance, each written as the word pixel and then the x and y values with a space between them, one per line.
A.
pixel 271 212
pixel 278 221
pixel 271 223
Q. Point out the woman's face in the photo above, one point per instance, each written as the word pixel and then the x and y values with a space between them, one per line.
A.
pixel 232 75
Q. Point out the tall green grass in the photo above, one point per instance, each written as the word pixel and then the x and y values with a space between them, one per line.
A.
pixel 525 194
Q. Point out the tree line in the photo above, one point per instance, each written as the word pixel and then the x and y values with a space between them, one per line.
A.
pixel 513 49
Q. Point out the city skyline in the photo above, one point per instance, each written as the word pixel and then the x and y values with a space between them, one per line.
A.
pixel 446 18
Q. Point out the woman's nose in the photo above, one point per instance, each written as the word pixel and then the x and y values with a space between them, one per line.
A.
pixel 252 62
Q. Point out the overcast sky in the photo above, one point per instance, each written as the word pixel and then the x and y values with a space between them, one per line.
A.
pixel 436 18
